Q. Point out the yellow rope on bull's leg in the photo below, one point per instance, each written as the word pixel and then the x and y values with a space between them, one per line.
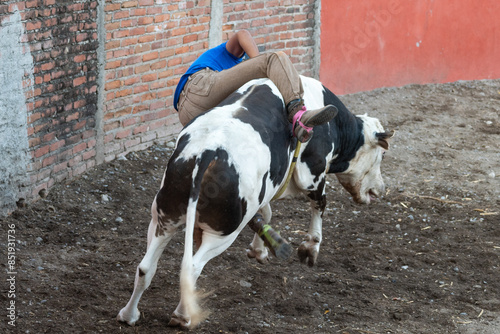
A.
pixel 279 247
pixel 264 233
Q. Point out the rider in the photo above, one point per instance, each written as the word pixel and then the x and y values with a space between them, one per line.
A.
pixel 220 71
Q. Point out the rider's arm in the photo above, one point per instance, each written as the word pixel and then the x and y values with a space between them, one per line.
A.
pixel 242 42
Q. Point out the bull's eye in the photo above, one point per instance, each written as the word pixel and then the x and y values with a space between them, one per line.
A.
pixel 383 155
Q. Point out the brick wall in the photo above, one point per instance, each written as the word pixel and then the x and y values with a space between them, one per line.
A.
pixel 60 91
pixel 104 72
pixel 148 45
pixel 286 25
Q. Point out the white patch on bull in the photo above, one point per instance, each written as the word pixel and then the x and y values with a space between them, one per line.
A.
pixel 313 93
pixel 260 82
pixel 163 180
pixel 193 175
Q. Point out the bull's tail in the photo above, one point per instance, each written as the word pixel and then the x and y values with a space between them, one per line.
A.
pixel 190 298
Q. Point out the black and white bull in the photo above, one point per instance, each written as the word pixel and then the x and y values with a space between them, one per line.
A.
pixel 230 162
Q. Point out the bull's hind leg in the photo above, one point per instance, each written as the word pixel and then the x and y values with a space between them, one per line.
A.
pixel 188 313
pixel 146 269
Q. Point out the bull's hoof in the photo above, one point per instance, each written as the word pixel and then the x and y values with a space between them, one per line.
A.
pixel 306 256
pixel 260 255
pixel 308 250
pixel 283 251
pixel 177 321
pixel 128 317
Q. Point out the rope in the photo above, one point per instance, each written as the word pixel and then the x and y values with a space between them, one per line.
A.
pixel 290 172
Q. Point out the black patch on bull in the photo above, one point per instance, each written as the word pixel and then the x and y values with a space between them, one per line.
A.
pixel 318 196
pixel 263 188
pixel 172 198
pixel 181 144
pixel 219 205
pixel 216 186
pixel 344 134
pixel 231 99
pixel 314 155
pixel 266 114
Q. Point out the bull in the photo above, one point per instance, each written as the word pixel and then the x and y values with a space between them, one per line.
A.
pixel 228 165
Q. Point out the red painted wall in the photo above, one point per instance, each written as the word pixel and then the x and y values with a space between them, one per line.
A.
pixel 387 43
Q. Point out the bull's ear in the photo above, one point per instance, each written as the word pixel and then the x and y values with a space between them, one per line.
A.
pixel 383 138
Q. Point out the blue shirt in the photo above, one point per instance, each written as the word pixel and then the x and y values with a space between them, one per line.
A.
pixel 216 59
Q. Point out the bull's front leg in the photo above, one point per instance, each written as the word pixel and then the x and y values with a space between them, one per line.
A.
pixel 309 248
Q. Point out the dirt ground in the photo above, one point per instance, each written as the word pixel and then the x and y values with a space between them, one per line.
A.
pixel 424 259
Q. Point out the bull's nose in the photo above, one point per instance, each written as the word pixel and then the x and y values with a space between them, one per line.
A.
pixel 373 194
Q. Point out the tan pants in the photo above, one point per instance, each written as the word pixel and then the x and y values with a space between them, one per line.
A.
pixel 206 88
